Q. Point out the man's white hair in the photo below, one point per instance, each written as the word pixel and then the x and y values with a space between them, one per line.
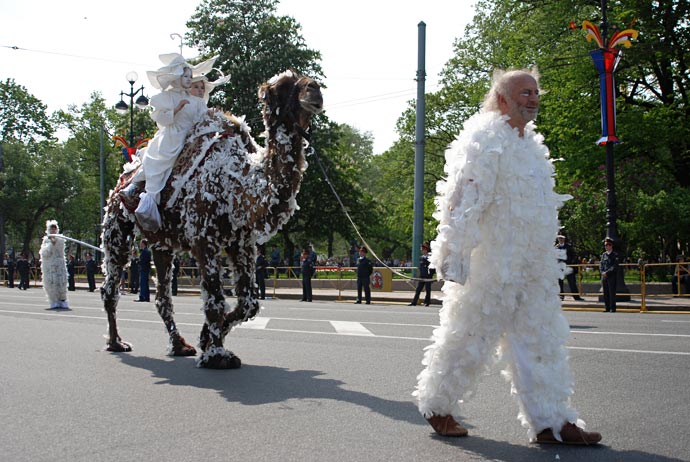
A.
pixel 500 85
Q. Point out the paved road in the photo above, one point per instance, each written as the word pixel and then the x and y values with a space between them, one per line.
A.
pixel 323 381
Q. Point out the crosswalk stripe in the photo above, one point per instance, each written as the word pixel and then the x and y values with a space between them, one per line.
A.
pixel 256 323
pixel 351 328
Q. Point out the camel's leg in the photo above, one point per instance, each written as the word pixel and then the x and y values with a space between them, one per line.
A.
pixel 214 355
pixel 116 229
pixel 244 260
pixel 178 346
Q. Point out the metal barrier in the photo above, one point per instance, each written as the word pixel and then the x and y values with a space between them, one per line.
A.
pixel 634 276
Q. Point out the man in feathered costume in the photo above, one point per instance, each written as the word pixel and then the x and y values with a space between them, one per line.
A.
pixel 54 267
pixel 497 213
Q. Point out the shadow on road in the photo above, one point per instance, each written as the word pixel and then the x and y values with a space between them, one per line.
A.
pixel 502 450
pixel 256 385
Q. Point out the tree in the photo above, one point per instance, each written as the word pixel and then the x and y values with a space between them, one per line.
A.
pixel 652 104
pixel 252 44
pixel 23 120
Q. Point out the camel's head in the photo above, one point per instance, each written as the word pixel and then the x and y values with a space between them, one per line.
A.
pixel 290 98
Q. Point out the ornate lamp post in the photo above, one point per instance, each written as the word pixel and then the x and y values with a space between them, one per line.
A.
pixel 130 148
pixel 606 59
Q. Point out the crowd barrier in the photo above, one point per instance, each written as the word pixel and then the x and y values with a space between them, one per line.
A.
pixel 341 279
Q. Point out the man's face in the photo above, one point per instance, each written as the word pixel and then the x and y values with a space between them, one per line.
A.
pixel 522 101
pixel 53 229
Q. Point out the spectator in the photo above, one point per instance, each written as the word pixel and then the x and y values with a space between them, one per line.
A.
pixel 90 271
pixel 70 274
pixel 568 256
pixel 260 272
pixel 23 268
pixel 608 266
pixel 682 274
pixel 425 275
pixel 144 270
pixel 8 263
pixel 364 270
pixel 134 273
pixel 275 260
pixel 307 270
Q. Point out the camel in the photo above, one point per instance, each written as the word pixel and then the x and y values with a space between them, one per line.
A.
pixel 225 193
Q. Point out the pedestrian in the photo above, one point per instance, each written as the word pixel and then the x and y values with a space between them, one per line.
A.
pixel 364 270
pixel 275 261
pixel 134 273
pixel 425 277
pixel 497 214
pixel 567 256
pixel 260 272
pixel 91 268
pixel 70 274
pixel 23 268
pixel 54 267
pixel 307 270
pixel 682 275
pixel 8 263
pixel 144 270
pixel 608 266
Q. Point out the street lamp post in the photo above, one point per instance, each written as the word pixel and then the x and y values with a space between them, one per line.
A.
pixel 141 103
pixel 606 59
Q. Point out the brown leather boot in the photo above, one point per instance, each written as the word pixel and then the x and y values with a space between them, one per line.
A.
pixel 446 425
pixel 570 434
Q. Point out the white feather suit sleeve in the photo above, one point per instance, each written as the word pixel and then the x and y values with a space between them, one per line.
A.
pixel 471 168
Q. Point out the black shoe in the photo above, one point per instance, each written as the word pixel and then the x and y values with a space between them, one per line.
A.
pixel 579 299
pixel 411 304
pixel 368 303
pixel 358 302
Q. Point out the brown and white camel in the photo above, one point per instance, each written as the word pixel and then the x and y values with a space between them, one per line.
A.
pixel 226 193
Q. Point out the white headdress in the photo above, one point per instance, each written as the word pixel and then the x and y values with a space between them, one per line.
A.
pixel 50 223
pixel 210 86
pixel 174 65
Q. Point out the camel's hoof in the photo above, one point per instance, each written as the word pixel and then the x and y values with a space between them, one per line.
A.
pixel 221 362
pixel 118 346
pixel 180 347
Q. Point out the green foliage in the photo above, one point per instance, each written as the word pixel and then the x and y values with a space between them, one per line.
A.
pixel 22 116
pixel 252 44
pixel 652 111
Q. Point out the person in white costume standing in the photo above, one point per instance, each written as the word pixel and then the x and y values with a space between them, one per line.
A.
pixel 54 267
pixel 497 214
pixel 175 113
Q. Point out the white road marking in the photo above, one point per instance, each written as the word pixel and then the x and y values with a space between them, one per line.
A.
pixel 348 328
pixel 351 328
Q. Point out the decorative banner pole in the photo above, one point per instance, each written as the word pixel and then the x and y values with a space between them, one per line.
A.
pixel 606 60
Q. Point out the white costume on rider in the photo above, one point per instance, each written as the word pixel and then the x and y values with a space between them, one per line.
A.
pixel 174 123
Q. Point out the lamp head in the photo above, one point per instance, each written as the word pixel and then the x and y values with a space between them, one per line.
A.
pixel 132 77
pixel 121 107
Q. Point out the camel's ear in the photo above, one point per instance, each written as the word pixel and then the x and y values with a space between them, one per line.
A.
pixel 263 93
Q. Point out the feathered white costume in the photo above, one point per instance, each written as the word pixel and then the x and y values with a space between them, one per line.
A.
pixel 54 268
pixel 159 156
pixel 497 213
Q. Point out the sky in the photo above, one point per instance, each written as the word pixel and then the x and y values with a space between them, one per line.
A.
pixel 68 49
